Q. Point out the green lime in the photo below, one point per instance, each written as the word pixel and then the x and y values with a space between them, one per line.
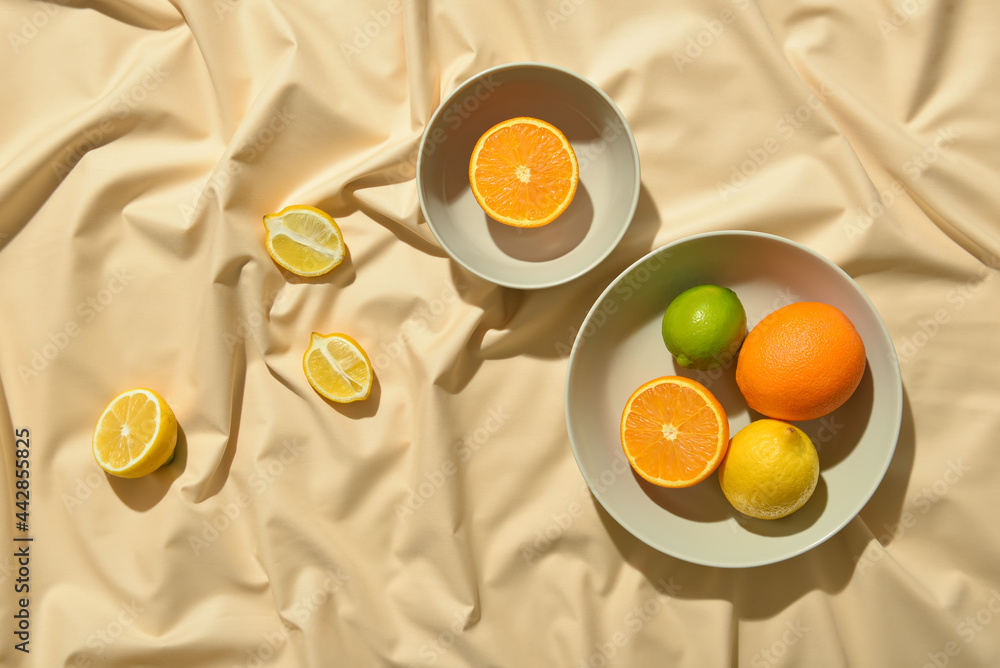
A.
pixel 704 327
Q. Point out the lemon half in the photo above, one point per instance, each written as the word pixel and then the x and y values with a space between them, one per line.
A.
pixel 338 368
pixel 304 240
pixel 135 435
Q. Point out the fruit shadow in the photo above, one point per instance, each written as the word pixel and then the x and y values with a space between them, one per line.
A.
pixel 721 382
pixel 837 435
pixel 764 592
pixel 143 493
pixel 755 593
pixel 884 510
pixel 340 276
pixel 359 410
pixel 535 327
pixel 801 519
pixel 705 502
pixel 548 242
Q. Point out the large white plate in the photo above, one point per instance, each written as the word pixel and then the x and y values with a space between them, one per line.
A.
pixel 619 347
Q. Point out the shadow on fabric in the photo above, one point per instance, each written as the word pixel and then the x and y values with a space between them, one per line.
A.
pixel 540 323
pixel 764 592
pixel 143 493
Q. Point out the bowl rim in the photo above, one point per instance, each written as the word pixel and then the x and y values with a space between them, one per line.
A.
pixel 897 387
pixel 634 149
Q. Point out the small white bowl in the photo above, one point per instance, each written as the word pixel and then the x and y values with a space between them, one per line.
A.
pixel 620 346
pixel 605 199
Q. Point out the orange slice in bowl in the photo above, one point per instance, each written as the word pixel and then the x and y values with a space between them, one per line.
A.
pixel 674 431
pixel 524 172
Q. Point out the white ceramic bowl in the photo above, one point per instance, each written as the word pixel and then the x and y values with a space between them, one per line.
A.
pixel 601 210
pixel 619 347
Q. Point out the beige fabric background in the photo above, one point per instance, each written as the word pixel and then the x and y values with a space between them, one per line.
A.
pixel 143 141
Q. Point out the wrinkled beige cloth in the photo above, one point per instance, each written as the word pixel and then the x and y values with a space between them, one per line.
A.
pixel 444 521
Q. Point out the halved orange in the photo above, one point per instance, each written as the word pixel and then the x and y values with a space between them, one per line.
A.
pixel 524 172
pixel 674 431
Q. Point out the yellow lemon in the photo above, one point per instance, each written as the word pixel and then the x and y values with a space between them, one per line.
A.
pixel 135 435
pixel 304 240
pixel 770 470
pixel 338 368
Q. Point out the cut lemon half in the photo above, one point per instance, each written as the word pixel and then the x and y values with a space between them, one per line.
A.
pixel 304 240
pixel 674 431
pixel 524 172
pixel 338 368
pixel 135 435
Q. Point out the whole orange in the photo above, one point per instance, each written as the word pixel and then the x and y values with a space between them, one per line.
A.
pixel 801 362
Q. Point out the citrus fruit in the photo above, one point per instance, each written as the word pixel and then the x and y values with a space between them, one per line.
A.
pixel 338 368
pixel 770 470
pixel 674 431
pixel 135 435
pixel 523 172
pixel 704 326
pixel 801 362
pixel 304 240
